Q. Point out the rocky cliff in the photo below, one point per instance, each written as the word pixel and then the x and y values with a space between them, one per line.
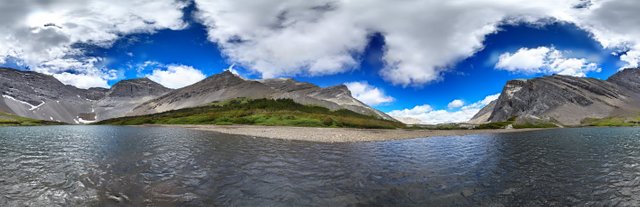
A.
pixel 566 100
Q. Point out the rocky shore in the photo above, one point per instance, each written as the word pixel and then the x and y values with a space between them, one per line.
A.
pixel 335 134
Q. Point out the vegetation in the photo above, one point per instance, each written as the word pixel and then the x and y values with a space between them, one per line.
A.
pixel 534 125
pixel 15 120
pixel 612 121
pixel 522 124
pixel 280 112
pixel 494 125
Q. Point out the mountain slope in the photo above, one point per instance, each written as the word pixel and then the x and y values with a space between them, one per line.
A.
pixel 566 100
pixel 334 98
pixel 226 85
pixel 125 95
pixel 39 96
pixel 43 97
pixel 273 112
pixel 218 87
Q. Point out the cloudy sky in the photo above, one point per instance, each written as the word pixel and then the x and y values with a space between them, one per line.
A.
pixel 431 60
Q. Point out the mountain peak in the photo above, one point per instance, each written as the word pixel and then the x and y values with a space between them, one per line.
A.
pixel 138 87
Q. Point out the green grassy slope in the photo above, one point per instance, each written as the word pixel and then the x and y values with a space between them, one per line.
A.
pixel 7 119
pixel 281 112
pixel 613 121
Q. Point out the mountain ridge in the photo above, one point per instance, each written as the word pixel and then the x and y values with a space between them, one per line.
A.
pixel 566 100
pixel 35 95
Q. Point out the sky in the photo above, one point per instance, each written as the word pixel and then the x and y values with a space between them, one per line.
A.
pixel 418 60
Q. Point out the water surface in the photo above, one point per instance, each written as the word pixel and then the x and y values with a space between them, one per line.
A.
pixel 130 166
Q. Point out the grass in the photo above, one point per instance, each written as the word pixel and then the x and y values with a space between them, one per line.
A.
pixel 7 119
pixel 268 112
pixel 515 125
pixel 494 125
pixel 612 121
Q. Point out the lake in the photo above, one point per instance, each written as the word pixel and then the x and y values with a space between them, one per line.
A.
pixel 137 166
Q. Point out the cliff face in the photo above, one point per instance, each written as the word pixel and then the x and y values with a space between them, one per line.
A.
pixel 566 100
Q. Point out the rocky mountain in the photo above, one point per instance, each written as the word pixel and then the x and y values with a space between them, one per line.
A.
pixel 39 96
pixel 566 100
pixel 226 85
pixel 334 98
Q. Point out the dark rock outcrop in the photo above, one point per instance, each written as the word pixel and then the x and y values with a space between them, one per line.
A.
pixel 565 99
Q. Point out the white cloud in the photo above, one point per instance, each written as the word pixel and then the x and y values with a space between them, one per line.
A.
pixel 546 61
pixel 422 38
pixel 368 94
pixel 287 37
pixel 427 115
pixel 42 34
pixel 615 25
pixel 82 80
pixel 176 76
pixel 455 104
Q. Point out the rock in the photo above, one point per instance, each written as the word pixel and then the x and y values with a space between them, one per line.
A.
pixel 566 100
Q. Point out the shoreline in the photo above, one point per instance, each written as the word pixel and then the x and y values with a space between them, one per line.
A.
pixel 335 135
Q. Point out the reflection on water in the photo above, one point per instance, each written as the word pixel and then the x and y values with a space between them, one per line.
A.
pixel 116 166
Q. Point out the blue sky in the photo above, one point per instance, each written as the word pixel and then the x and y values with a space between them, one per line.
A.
pixel 410 65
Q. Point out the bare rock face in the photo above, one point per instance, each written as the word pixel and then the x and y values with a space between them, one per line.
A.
pixel 483 115
pixel 566 100
pixel 41 96
pixel 334 98
pixel 137 88
pixel 218 87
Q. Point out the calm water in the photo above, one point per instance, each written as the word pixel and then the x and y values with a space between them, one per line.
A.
pixel 125 166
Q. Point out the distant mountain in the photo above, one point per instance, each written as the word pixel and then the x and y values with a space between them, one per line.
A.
pixel 227 85
pixel 39 96
pixel 566 100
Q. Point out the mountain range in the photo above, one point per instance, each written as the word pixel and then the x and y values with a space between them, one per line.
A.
pixel 39 96
pixel 565 100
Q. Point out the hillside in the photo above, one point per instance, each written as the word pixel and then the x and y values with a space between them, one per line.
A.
pixel 279 112
pixel 14 120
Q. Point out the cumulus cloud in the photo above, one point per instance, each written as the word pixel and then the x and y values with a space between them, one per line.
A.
pixel 425 114
pixel 368 94
pixel 455 104
pixel 82 80
pixel 422 38
pixel 43 34
pixel 176 76
pixel 544 60
pixel 615 25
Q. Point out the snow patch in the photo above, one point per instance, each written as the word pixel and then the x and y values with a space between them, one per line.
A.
pixel 84 121
pixel 32 107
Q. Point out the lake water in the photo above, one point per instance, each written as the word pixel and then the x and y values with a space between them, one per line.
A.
pixel 129 166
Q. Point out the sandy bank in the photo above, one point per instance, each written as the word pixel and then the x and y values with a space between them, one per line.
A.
pixel 334 134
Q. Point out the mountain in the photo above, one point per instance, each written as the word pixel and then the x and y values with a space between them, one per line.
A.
pixel 218 87
pixel 40 96
pixel 334 98
pixel 125 95
pixel 226 85
pixel 565 100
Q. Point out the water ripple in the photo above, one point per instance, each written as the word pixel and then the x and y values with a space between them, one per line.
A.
pixel 125 166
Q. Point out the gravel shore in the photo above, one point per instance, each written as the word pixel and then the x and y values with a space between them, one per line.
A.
pixel 314 134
